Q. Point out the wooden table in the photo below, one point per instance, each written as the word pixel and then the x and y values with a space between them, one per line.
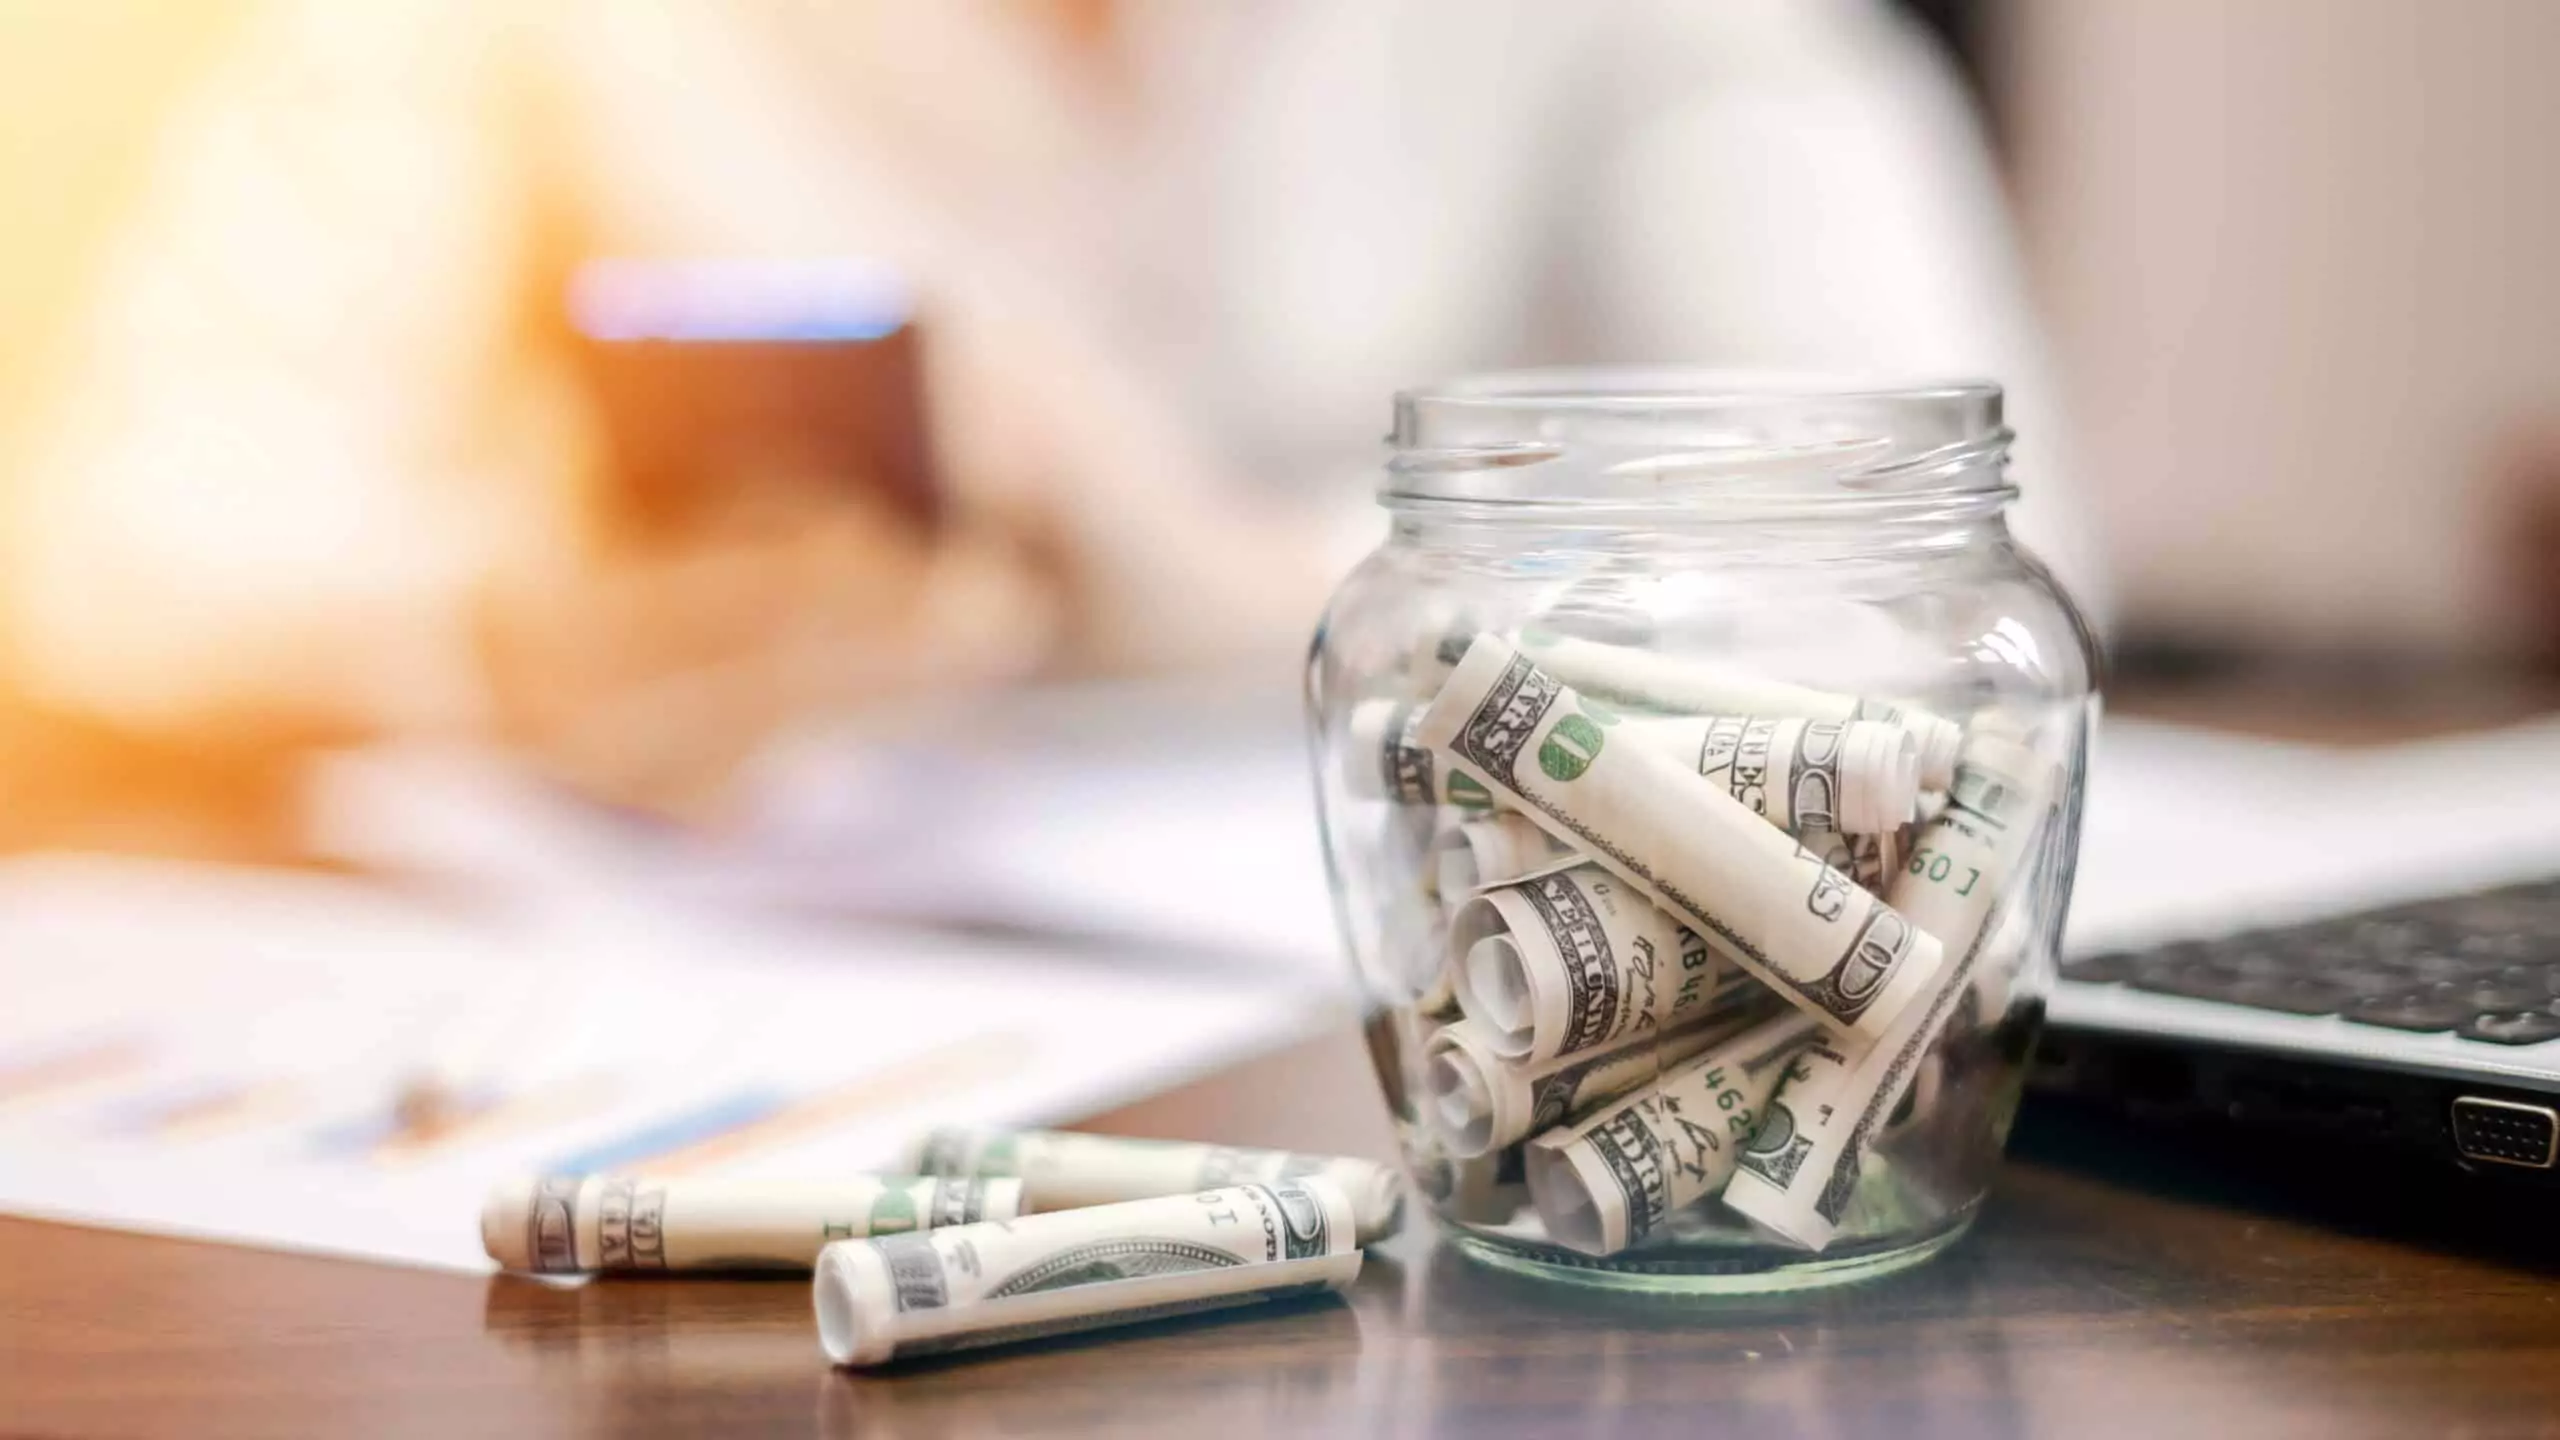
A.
pixel 2115 1285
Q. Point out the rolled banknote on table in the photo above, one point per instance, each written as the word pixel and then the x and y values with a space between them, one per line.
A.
pixel 572 1224
pixel 974 1285
pixel 1801 1169
pixel 1799 926
pixel 1608 1181
pixel 1387 763
pixel 1064 1170
pixel 1577 960
pixel 1495 850
pixel 1479 1100
pixel 1855 776
pixel 1691 687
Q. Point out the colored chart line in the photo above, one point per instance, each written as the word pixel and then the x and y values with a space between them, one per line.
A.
pixel 208 1110
pixel 380 1138
pixel 70 1067
pixel 762 1119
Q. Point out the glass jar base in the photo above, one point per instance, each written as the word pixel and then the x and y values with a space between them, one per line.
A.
pixel 1714 1270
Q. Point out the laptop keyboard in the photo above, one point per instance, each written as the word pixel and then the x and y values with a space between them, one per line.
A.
pixel 2485 966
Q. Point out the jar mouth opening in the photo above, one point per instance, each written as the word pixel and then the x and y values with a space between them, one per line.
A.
pixel 1698 441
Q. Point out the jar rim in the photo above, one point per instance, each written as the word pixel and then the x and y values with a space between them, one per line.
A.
pixel 1601 387
pixel 1666 438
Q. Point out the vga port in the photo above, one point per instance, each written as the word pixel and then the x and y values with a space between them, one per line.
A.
pixel 2506 1132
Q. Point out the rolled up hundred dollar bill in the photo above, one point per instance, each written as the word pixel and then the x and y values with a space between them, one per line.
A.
pixel 1496 850
pixel 1691 687
pixel 571 1224
pixel 1857 776
pixel 1065 1170
pixel 1576 960
pixel 1608 1181
pixel 1480 1101
pixel 1386 762
pixel 1801 1169
pixel 1799 926
pixel 974 1285
pixel 1871 860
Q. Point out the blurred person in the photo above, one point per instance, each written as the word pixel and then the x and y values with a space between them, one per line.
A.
pixel 2299 263
pixel 321 468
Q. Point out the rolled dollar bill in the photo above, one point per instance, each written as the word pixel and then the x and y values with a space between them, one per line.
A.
pixel 1871 860
pixel 1066 1170
pixel 1607 1182
pixel 1857 776
pixel 571 1224
pixel 1799 926
pixel 1480 1100
pixel 1573 961
pixel 1692 687
pixel 1496 850
pixel 1387 763
pixel 974 1285
pixel 1800 1170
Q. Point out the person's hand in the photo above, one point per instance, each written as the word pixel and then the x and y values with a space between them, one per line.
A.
pixel 646 676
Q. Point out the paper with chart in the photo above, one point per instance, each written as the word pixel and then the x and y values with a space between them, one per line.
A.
pixel 216 1053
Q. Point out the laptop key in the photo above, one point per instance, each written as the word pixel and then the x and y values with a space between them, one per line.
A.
pixel 2542 982
pixel 2492 993
pixel 2408 1012
pixel 2436 965
pixel 2295 996
pixel 2512 1027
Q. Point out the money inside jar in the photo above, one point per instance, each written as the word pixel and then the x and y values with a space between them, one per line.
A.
pixel 1697 941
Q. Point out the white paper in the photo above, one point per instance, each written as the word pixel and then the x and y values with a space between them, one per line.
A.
pixel 2191 832
pixel 215 1053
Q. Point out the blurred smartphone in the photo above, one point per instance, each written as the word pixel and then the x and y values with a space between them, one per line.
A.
pixel 708 372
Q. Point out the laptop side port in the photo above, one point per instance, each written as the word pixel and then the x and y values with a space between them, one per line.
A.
pixel 2506 1132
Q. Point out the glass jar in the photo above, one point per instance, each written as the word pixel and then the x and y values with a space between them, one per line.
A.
pixel 1699 761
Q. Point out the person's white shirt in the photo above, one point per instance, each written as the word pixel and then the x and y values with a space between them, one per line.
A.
pixel 1169 281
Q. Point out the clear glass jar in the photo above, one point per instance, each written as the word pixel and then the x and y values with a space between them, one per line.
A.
pixel 1699 761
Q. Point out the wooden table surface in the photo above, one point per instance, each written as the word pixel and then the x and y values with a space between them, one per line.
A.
pixel 2118 1284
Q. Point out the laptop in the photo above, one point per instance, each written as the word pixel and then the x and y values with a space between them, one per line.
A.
pixel 2357 946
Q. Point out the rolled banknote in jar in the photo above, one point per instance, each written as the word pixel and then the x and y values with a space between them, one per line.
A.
pixel 1870 860
pixel 1065 1170
pixel 573 1224
pixel 1054 1274
pixel 1495 850
pixel 1387 763
pixel 1857 776
pixel 1641 678
pixel 1773 907
pixel 1480 1100
pixel 1802 1168
pixel 1573 961
pixel 1607 1182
